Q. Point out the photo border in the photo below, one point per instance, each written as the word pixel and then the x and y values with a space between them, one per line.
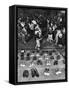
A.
pixel 16 44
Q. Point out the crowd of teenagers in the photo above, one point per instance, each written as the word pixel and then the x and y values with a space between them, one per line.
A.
pixel 51 28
